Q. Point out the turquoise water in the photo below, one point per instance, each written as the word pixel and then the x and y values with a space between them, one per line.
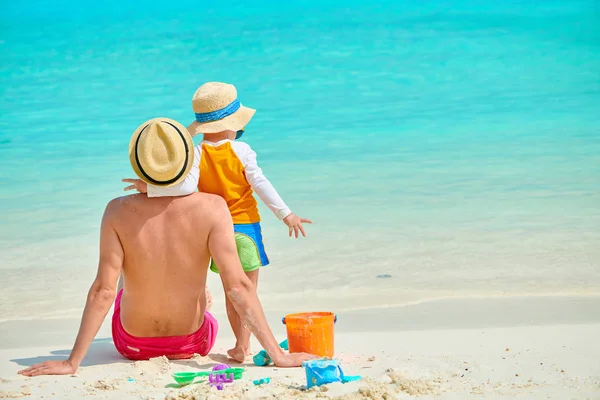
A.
pixel 452 145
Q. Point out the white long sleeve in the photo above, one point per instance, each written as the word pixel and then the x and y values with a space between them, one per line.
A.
pixel 185 187
pixel 259 183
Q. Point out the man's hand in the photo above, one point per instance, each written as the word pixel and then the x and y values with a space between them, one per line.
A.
pixel 294 222
pixel 50 368
pixel 137 184
pixel 293 360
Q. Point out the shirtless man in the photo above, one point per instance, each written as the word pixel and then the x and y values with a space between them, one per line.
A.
pixel 162 247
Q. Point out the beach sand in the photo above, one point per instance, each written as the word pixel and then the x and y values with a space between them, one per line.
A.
pixel 526 347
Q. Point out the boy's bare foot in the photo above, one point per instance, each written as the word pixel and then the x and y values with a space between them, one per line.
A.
pixel 238 353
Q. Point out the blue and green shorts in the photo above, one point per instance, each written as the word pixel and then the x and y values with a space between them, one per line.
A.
pixel 250 247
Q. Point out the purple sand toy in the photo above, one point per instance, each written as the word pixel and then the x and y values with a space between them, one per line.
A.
pixel 220 367
pixel 217 380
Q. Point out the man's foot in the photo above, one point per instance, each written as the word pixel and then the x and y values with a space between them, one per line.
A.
pixel 238 353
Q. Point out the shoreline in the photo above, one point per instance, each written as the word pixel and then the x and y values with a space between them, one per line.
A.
pixel 500 296
pixel 435 314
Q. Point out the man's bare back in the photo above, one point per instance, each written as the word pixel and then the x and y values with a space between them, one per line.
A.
pixel 164 271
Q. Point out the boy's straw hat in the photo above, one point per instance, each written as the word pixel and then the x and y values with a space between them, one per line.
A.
pixel 161 152
pixel 218 109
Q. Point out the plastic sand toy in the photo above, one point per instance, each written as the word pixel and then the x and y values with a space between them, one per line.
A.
pixel 218 380
pixel 262 381
pixel 311 333
pixel 220 367
pixel 187 378
pixel 324 371
pixel 262 358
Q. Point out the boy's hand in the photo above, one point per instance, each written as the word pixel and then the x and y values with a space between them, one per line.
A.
pixel 294 222
pixel 138 185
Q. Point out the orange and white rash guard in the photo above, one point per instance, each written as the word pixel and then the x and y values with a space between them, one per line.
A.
pixel 229 169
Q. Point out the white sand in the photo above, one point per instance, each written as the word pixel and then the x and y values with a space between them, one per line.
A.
pixel 524 347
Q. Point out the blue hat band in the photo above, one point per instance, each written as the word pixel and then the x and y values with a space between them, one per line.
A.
pixel 219 114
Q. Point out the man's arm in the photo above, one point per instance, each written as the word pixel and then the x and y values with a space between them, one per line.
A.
pixel 239 288
pixel 100 297
pixel 185 187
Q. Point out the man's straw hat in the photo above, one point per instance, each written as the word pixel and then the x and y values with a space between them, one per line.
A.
pixel 218 109
pixel 161 152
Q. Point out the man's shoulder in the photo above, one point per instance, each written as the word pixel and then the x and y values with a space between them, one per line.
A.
pixel 203 203
pixel 205 198
pixel 203 207
pixel 194 201
pixel 118 204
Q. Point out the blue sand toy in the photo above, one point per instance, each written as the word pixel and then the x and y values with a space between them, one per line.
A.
pixel 322 371
pixel 262 381
pixel 262 358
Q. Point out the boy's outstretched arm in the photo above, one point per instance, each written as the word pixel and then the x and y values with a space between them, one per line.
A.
pixel 267 193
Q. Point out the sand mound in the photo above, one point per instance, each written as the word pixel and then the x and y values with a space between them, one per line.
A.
pixel 374 390
pixel 14 394
pixel 414 387
pixel 378 390
pixel 154 366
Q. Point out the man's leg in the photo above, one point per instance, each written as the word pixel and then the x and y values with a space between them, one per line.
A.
pixel 241 332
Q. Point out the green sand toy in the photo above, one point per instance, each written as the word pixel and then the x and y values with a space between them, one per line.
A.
pixel 187 378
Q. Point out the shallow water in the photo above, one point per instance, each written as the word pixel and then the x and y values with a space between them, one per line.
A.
pixel 456 149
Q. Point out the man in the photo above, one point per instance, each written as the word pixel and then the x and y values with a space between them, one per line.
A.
pixel 162 247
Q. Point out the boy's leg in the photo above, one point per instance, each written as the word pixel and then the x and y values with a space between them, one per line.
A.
pixel 241 332
pixel 208 299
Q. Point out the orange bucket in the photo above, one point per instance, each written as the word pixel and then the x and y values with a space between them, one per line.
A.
pixel 311 333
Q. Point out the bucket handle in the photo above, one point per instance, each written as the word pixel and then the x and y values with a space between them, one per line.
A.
pixel 334 319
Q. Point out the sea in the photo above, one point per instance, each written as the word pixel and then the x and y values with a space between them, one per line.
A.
pixel 443 149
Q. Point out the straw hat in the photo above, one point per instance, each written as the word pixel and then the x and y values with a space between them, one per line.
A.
pixel 161 152
pixel 218 109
